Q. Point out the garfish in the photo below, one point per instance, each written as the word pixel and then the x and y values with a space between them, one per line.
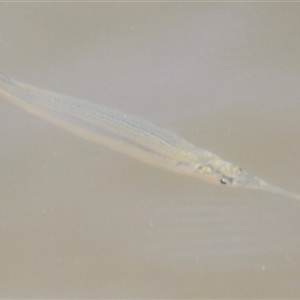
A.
pixel 131 135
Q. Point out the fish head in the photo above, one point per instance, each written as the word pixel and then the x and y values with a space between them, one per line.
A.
pixel 218 171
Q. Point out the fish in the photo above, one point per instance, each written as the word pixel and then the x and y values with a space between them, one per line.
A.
pixel 132 136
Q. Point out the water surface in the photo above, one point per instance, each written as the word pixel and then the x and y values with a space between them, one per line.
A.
pixel 79 221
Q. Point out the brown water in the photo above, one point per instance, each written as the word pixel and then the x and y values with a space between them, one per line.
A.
pixel 80 221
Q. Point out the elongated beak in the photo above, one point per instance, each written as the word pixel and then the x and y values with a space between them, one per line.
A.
pixel 259 184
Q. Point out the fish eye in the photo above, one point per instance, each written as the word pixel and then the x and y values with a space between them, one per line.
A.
pixel 223 181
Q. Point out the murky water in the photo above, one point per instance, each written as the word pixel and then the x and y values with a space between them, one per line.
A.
pixel 80 221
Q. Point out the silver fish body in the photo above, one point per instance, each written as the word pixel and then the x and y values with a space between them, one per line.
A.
pixel 131 135
pixel 117 130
